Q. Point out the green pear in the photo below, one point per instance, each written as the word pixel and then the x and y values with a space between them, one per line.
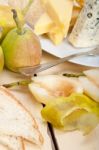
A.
pixel 21 47
pixel 1 59
pixel 6 19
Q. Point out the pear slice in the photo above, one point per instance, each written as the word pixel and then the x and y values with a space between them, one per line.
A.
pixel 45 88
pixel 93 74
pixel 76 112
pixel 41 94
pixel 90 88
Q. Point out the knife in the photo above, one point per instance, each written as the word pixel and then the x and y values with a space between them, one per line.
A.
pixel 30 71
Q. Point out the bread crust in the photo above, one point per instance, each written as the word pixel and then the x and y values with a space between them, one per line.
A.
pixel 7 92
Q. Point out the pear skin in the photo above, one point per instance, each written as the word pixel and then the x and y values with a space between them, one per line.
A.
pixel 6 19
pixel 1 59
pixel 21 50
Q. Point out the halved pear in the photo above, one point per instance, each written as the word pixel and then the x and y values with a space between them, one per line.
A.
pixel 93 74
pixel 90 88
pixel 45 88
pixel 76 112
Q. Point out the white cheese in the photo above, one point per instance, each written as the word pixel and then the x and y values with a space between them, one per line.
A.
pixel 86 30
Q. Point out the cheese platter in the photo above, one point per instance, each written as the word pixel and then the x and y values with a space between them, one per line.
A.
pixel 57 109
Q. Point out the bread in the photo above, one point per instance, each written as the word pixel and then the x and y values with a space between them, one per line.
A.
pixel 15 120
pixel 13 143
pixel 3 147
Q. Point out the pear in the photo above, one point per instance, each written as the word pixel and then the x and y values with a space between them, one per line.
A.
pixel 6 19
pixel 21 47
pixel 1 59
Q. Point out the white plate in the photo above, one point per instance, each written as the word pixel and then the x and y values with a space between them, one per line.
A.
pixel 65 49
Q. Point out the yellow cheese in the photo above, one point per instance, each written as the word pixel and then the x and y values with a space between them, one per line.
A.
pixel 43 25
pixel 56 38
pixel 56 35
pixel 60 12
pixel 43 1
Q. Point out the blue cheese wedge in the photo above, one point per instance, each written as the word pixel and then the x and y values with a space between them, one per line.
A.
pixel 86 30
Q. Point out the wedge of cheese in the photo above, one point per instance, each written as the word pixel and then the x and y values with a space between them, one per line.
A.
pixel 56 35
pixel 43 25
pixel 86 30
pixel 60 11
pixel 56 38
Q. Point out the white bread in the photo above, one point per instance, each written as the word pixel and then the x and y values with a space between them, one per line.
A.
pixel 13 143
pixel 16 120
pixel 3 147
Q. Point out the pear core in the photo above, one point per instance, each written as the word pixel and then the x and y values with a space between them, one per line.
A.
pixel 21 50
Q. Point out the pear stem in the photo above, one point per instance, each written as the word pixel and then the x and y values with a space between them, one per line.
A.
pixel 19 83
pixel 73 75
pixel 17 21
pixel 25 10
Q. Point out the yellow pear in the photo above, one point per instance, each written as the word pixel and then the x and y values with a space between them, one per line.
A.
pixel 1 59
pixel 6 19
pixel 21 47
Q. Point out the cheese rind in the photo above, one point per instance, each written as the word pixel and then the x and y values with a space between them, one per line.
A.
pixel 86 30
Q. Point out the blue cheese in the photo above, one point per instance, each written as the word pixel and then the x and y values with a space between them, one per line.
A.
pixel 86 30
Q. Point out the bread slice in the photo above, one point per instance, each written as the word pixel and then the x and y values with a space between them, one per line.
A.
pixel 16 120
pixel 13 143
pixel 3 147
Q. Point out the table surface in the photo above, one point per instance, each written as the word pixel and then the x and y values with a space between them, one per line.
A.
pixel 69 141
pixel 65 141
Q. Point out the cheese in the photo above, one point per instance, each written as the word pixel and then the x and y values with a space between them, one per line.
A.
pixel 56 19
pixel 86 29
pixel 43 1
pixel 43 25
pixel 56 37
pixel 60 11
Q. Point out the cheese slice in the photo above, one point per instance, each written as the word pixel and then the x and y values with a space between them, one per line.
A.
pixel 86 30
pixel 43 25
pixel 56 35
pixel 60 11
pixel 56 38
pixel 43 1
